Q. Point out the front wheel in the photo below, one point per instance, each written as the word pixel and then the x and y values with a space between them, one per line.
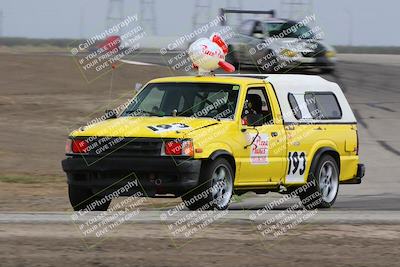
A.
pixel 215 189
pixel 325 179
pixel 82 198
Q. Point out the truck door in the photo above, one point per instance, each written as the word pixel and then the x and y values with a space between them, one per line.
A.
pixel 263 154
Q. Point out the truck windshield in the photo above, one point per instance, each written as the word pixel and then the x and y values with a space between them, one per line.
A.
pixel 186 100
pixel 289 30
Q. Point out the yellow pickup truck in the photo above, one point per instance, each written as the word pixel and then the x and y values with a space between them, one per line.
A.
pixel 205 138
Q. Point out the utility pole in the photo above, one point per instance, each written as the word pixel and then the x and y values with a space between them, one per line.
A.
pixel 202 13
pixel 81 24
pixel 148 16
pixel 350 27
pixel 115 12
pixel 232 4
pixel 296 9
pixel 1 22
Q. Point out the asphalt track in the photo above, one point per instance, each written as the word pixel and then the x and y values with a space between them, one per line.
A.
pixel 372 88
pixel 231 217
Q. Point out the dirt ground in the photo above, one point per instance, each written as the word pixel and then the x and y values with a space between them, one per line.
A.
pixel 43 98
pixel 34 197
pixel 150 245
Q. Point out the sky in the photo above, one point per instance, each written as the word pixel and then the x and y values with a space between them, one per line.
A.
pixel 344 22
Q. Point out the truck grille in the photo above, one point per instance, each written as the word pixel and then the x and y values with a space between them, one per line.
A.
pixel 124 147
pixel 310 54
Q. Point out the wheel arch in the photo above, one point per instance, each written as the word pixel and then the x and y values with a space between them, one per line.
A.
pixel 220 153
pixel 324 151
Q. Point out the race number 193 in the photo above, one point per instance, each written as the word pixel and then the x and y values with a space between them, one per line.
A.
pixel 297 166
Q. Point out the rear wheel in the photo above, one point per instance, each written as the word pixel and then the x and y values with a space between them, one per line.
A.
pixel 82 198
pixel 216 187
pixel 326 184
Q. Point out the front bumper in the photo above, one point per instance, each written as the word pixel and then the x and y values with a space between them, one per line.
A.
pixel 155 175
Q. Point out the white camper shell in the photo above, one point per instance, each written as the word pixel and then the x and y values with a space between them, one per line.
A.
pixel 306 89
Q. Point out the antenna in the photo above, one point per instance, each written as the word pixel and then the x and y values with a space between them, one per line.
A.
pixel 202 11
pixel 115 12
pixel 297 9
pixel 148 16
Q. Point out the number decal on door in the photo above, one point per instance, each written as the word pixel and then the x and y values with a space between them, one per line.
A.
pixel 296 167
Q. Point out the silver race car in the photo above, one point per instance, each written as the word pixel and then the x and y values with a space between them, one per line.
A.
pixel 274 44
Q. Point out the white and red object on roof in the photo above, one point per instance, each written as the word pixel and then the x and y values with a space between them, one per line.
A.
pixel 208 54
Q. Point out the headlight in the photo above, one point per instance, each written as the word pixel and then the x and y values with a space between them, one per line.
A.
pixel 330 54
pixel 288 53
pixel 76 146
pixel 178 148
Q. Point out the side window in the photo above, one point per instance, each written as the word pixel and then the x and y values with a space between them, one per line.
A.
pixel 257 28
pixel 323 105
pixel 247 27
pixel 294 106
pixel 257 103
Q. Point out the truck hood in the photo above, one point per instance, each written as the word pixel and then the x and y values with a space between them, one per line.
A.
pixel 152 127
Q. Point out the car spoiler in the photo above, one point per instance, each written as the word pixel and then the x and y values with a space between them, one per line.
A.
pixel 223 11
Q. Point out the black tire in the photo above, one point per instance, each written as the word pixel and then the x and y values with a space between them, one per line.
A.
pixel 318 196
pixel 327 70
pixel 83 198
pixel 204 196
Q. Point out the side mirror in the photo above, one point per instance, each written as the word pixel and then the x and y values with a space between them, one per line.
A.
pixel 255 120
pixel 110 114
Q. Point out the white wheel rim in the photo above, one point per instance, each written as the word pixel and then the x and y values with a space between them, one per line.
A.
pixel 221 186
pixel 328 181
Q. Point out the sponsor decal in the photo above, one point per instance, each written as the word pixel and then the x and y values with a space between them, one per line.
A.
pixel 259 149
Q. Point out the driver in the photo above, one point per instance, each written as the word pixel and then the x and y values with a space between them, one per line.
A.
pixel 253 107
